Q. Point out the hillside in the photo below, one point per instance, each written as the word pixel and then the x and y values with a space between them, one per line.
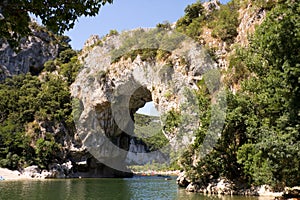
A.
pixel 149 129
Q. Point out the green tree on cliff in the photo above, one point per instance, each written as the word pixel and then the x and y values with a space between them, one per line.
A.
pixel 57 16
pixel 260 141
pixel 272 151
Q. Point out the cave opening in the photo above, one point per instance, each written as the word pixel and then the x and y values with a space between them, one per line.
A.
pixel 148 137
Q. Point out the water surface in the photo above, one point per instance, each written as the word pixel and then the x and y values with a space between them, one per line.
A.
pixel 138 188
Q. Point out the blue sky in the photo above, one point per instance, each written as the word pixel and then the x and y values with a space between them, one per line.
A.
pixel 126 15
pixel 148 109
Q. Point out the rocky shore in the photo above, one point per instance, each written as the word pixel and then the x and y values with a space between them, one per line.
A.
pixel 34 172
pixel 223 186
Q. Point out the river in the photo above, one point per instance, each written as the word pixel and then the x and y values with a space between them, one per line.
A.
pixel 137 188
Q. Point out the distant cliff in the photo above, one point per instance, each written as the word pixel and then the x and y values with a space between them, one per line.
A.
pixel 33 52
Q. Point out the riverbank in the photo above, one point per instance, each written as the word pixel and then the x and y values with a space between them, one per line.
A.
pixel 223 186
pixel 29 173
pixel 34 173
pixel 156 173
pixel 7 174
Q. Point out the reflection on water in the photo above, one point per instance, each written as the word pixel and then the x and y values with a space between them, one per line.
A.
pixel 89 189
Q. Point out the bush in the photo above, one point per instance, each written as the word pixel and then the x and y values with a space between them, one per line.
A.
pixel 225 22
pixel 50 66
pixel 113 32
pixel 66 55
pixel 147 44
pixel 171 120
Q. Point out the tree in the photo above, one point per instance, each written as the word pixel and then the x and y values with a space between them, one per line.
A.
pixel 260 141
pixel 191 23
pixel 272 151
pixel 194 11
pixel 57 16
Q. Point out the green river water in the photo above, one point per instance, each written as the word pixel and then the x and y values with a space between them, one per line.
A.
pixel 137 188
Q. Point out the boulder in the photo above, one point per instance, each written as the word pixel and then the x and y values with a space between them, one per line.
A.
pixel 225 186
pixel 192 187
pixel 46 174
pixel 32 172
pixel 182 180
pixel 60 170
pixel 293 192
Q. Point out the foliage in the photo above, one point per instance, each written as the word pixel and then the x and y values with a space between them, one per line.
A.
pixel 67 65
pixel 66 55
pixel 46 150
pixel 25 99
pixel 50 66
pixel 70 70
pixel 149 131
pixel 193 20
pixel 225 21
pixel 273 144
pixel 238 70
pixel 113 32
pixel 192 12
pixel 57 16
pixel 260 140
pixel 165 25
pixel 147 43
pixel 171 120
pixel 153 166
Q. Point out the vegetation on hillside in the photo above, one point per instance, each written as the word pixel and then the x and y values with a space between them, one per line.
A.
pixel 28 104
pixel 222 21
pixel 148 129
pixel 25 102
pixel 260 141
pixel 149 44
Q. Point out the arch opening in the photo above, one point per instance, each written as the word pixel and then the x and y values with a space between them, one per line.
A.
pixel 148 137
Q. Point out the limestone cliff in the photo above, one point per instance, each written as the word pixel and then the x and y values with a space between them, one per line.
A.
pixel 111 92
pixel 34 51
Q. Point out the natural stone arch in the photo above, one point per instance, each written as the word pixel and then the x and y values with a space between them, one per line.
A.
pixel 110 93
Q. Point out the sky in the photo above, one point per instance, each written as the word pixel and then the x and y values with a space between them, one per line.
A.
pixel 149 109
pixel 126 15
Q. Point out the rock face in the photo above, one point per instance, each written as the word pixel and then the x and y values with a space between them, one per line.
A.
pixel 109 93
pixel 138 154
pixel 34 52
pixel 183 181
pixel 249 18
